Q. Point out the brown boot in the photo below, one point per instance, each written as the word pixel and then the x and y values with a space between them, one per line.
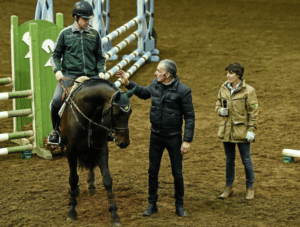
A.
pixel 250 193
pixel 227 192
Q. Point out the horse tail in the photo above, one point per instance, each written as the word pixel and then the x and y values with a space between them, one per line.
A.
pixel 89 161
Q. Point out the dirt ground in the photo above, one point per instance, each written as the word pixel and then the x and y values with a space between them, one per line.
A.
pixel 202 37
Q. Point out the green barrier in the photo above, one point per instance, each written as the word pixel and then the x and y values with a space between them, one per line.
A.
pixel 32 44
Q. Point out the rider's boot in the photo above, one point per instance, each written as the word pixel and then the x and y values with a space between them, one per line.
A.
pixel 54 136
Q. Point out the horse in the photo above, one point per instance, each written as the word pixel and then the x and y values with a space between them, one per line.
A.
pixel 94 109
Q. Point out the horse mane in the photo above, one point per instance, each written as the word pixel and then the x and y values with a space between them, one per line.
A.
pixel 93 82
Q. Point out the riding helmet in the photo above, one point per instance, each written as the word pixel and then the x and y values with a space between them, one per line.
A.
pixel 83 9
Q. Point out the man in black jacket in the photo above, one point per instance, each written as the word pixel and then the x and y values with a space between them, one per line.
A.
pixel 171 101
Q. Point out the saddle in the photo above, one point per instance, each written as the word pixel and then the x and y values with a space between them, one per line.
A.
pixel 68 91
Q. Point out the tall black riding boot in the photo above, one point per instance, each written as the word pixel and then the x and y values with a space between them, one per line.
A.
pixel 54 136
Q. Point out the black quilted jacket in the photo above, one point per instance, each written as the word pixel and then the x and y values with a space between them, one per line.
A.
pixel 170 104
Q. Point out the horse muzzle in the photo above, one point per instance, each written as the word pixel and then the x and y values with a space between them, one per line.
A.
pixel 123 144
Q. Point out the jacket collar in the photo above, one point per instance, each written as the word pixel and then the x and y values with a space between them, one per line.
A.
pixel 243 86
pixel 172 86
pixel 75 29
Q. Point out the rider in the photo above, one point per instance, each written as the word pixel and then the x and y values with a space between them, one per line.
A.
pixel 78 52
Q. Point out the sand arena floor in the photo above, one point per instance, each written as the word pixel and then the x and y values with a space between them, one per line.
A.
pixel 202 37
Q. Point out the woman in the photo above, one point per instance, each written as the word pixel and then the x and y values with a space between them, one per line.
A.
pixel 237 105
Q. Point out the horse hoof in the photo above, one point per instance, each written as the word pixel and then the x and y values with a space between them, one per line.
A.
pixel 116 222
pixel 72 215
pixel 91 186
pixel 92 191
pixel 71 219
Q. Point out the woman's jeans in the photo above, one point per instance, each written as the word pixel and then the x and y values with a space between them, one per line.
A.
pixel 244 149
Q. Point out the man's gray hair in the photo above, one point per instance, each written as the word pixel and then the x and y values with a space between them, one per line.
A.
pixel 170 66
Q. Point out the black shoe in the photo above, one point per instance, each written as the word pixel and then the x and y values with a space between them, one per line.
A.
pixel 151 210
pixel 181 212
pixel 54 138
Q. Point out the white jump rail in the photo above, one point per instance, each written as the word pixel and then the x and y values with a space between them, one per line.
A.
pixel 291 152
pixel 22 135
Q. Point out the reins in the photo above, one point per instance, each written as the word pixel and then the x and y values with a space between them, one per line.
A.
pixel 77 108
pixel 69 80
pixel 71 103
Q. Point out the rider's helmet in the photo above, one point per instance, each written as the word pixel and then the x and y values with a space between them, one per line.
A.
pixel 83 9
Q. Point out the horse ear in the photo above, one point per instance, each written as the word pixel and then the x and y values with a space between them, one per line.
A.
pixel 131 92
pixel 117 96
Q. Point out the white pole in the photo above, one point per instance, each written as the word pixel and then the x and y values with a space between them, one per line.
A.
pixel 291 152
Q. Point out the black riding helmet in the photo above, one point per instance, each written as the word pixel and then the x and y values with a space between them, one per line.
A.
pixel 83 9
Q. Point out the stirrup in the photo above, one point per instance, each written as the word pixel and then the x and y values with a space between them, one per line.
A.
pixel 59 139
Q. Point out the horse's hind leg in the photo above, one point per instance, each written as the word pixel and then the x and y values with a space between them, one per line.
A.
pixel 73 181
pixel 107 181
pixel 91 181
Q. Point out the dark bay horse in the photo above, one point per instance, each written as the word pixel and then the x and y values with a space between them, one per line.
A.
pixel 94 109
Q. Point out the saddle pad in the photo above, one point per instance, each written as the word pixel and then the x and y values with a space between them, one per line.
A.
pixel 69 90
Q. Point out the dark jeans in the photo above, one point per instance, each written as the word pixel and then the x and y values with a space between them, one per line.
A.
pixel 245 153
pixel 157 145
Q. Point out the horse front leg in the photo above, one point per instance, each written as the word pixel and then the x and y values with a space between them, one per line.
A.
pixel 91 181
pixel 107 181
pixel 74 192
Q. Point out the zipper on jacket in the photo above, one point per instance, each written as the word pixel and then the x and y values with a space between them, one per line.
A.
pixel 161 100
pixel 83 55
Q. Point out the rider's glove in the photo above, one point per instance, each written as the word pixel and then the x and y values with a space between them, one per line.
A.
pixel 102 75
pixel 59 76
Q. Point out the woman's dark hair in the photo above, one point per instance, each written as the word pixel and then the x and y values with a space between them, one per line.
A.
pixel 237 68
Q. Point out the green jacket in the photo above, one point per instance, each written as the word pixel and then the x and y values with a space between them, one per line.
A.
pixel 78 52
pixel 242 114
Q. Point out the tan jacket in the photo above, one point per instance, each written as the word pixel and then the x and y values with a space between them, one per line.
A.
pixel 243 111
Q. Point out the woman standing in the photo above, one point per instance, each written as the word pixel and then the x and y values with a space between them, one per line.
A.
pixel 237 105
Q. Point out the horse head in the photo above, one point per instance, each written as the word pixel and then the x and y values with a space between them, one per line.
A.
pixel 118 113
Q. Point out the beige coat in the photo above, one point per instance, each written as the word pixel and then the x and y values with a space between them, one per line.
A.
pixel 243 111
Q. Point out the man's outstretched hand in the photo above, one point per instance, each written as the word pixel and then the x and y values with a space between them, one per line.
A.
pixel 121 74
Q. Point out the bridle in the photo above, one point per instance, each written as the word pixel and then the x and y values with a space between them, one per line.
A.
pixel 71 103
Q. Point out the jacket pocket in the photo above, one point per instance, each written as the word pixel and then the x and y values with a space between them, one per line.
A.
pixel 173 120
pixel 239 130
pixel 155 117
pixel 221 131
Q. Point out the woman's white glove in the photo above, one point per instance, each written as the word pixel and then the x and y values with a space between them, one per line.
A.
pixel 102 75
pixel 224 111
pixel 250 136
pixel 59 76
